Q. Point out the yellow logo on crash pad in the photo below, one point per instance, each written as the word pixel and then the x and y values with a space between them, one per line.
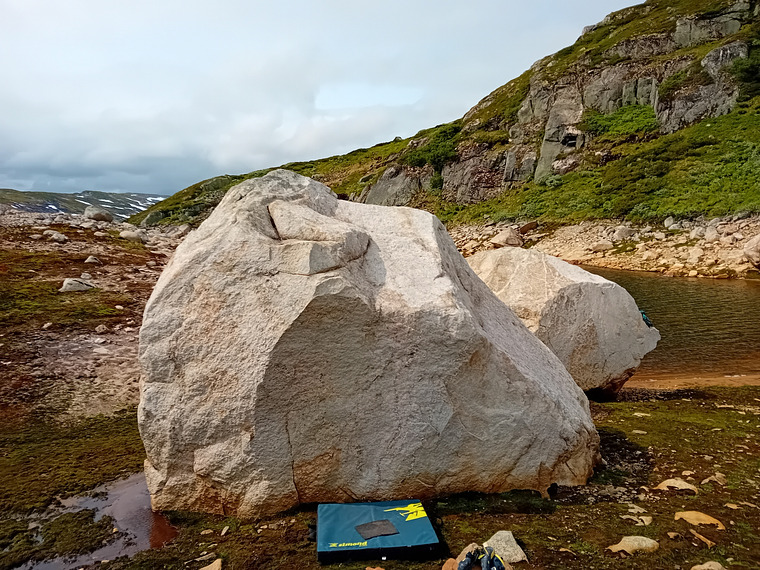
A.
pixel 412 511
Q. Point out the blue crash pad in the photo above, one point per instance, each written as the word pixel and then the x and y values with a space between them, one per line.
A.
pixel 403 531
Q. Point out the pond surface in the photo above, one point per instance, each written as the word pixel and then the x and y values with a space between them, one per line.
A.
pixel 710 328
pixel 127 502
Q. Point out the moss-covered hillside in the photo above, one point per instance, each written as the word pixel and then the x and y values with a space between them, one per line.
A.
pixel 650 113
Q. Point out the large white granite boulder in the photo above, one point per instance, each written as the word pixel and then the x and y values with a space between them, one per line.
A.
pixel 299 349
pixel 592 324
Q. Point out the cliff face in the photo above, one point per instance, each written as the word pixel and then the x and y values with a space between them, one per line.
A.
pixel 682 74
pixel 641 74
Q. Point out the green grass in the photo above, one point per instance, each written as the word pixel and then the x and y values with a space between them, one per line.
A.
pixel 628 120
pixel 747 71
pixel 29 302
pixel 66 535
pixel 41 461
pixel 194 203
pixel 689 78
pixel 501 106
pixel 711 168
pixel 344 173
pixel 439 150
pixel 591 48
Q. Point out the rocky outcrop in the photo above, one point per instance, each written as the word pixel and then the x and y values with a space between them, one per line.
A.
pixel 631 73
pixel 299 348
pixel 715 98
pixel 473 178
pixel 396 187
pixel 697 29
pixel 593 325
pixel 561 132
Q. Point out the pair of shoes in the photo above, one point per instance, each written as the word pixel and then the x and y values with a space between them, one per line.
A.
pixel 470 560
pixel 491 561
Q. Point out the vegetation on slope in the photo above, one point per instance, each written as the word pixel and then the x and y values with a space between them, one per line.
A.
pixel 711 168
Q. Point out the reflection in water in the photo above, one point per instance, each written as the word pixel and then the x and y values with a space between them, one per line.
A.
pixel 709 327
pixel 127 502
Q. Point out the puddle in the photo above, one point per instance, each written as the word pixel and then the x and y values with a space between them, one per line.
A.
pixel 127 502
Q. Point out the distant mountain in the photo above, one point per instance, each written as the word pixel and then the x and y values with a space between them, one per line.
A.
pixel 120 205
pixel 653 112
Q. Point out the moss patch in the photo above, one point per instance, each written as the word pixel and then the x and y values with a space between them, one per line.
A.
pixel 628 120
pixel 66 535
pixel 75 533
pixel 29 298
pixel 44 460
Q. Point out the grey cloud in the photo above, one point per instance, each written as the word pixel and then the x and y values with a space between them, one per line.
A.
pixel 146 96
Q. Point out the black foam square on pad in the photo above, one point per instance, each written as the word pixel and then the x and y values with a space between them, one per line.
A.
pixel 376 528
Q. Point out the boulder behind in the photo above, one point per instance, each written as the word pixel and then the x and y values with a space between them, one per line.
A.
pixel 592 324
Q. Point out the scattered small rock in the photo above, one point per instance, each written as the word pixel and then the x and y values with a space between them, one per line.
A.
pixel 633 544
pixel 505 545
pixel 508 237
pixel 712 565
pixel 718 478
pixel 696 518
pixel 131 235
pixel 472 547
pixel 70 284
pixel 215 565
pixel 676 483
pixel 603 245
pixel 57 237
pixel 707 541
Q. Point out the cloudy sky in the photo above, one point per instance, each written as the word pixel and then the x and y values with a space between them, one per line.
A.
pixel 155 95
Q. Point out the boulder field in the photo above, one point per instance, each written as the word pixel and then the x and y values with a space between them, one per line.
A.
pixel 592 324
pixel 302 349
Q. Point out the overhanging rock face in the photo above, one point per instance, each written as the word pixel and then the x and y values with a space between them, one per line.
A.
pixel 592 324
pixel 302 349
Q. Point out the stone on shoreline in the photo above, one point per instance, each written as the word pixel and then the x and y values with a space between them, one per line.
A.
pixel 752 251
pixel 299 348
